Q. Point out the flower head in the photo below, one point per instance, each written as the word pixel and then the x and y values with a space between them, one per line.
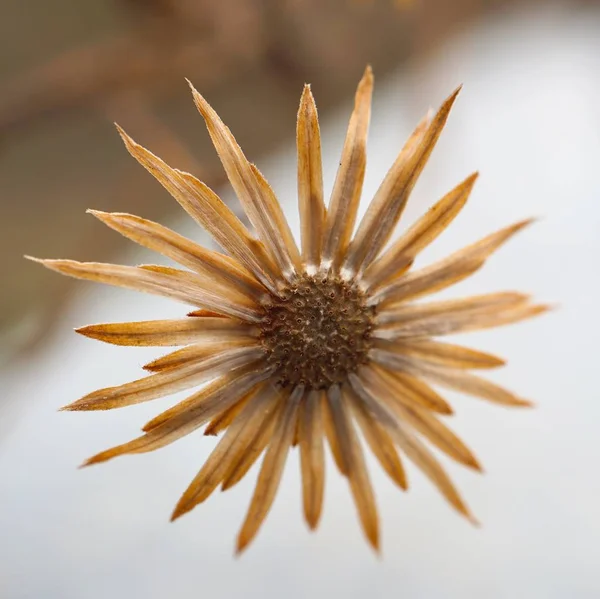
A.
pixel 294 347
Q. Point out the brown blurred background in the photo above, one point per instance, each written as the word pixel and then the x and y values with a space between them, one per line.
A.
pixel 69 68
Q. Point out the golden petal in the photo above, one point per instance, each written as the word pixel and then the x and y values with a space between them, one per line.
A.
pixel 222 421
pixel 271 470
pixel 399 257
pixel 347 188
pixel 310 180
pixel 312 460
pixel 388 204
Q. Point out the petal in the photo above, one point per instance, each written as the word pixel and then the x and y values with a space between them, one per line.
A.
pixel 451 270
pixel 257 198
pixel 221 422
pixel 354 464
pixel 448 377
pixel 401 254
pixel 347 188
pixel 271 470
pixel 310 180
pixel 312 461
pixel 227 272
pixel 208 210
pixel 236 441
pixel 414 449
pixel 379 441
pixel 167 332
pixel 165 383
pixel 213 398
pixel 388 204
pixel 182 286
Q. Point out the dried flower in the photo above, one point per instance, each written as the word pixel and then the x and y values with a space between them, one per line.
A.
pixel 303 346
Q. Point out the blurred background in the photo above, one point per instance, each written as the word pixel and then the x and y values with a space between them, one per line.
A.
pixel 527 118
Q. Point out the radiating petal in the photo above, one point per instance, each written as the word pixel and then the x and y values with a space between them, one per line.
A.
pixel 448 377
pixel 231 447
pixel 222 421
pixel 422 420
pixel 388 204
pixel 207 209
pixel 182 286
pixel 451 270
pixel 166 383
pixel 167 332
pixel 312 461
pixel 331 436
pixel 212 399
pixel 379 441
pixel 354 463
pixel 401 254
pixel 271 470
pixel 254 193
pixel 223 269
pixel 414 449
pixel 341 214
pixel 310 180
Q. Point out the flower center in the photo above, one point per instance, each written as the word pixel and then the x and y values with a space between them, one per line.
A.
pixel 317 332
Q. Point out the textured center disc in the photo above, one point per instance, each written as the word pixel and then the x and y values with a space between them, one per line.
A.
pixel 317 332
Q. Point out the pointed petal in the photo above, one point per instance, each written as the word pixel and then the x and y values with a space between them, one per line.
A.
pixel 310 180
pixel 354 464
pixel 165 383
pixel 254 193
pixel 312 460
pixel 332 439
pixel 212 399
pixel 167 332
pixel 182 286
pixel 448 377
pixel 379 441
pixel 230 448
pixel 208 210
pixel 224 270
pixel 414 449
pixel 347 188
pixel 221 422
pixel 422 420
pixel 391 197
pixel 271 470
pixel 401 254
pixel 451 270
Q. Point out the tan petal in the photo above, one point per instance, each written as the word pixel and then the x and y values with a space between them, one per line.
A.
pixel 401 254
pixel 271 470
pixel 230 448
pixel 448 377
pixel 332 439
pixel 388 204
pixel 223 269
pixel 213 398
pixel 379 441
pixel 208 210
pixel 447 272
pixel 165 383
pixel 221 422
pixel 414 449
pixel 420 419
pixel 354 464
pixel 167 332
pixel 412 391
pixel 178 285
pixel 254 193
pixel 312 462
pixel 347 188
pixel 204 314
pixel 445 354
pixel 310 180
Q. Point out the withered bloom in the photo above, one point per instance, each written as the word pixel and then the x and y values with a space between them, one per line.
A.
pixel 303 346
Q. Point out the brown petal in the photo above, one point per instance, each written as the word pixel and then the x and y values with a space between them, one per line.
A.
pixel 312 462
pixel 221 422
pixel 401 254
pixel 347 188
pixel 388 204
pixel 271 470
pixel 310 180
